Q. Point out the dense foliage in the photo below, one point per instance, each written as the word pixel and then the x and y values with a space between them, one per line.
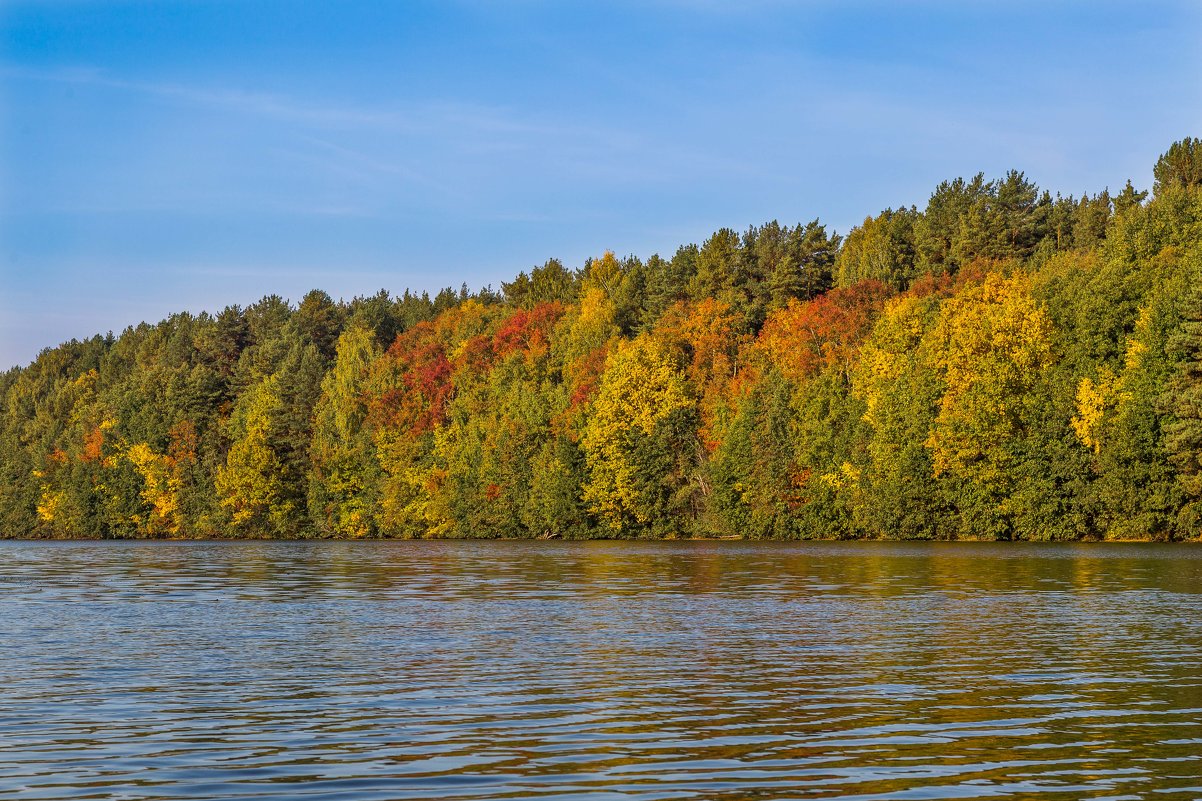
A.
pixel 1001 364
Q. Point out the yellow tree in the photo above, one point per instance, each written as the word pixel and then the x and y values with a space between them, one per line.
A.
pixel 640 440
pixel 899 495
pixel 160 490
pixel 248 484
pixel 581 341
pixel 990 344
pixel 345 474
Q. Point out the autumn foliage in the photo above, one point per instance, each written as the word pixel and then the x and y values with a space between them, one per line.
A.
pixel 1000 364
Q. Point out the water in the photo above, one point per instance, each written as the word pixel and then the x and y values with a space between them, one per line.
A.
pixel 483 670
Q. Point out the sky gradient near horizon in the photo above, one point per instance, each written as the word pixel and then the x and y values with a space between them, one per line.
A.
pixel 158 157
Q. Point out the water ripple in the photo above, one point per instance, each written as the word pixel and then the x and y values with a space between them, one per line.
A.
pixel 486 670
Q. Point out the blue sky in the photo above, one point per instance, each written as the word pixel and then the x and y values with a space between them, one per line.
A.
pixel 161 156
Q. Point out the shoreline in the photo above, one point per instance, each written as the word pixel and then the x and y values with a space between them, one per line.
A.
pixel 640 540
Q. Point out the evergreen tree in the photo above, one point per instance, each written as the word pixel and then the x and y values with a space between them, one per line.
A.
pixel 1000 365
pixel 1183 401
pixel 1128 198
pixel 1180 166
pixel 882 249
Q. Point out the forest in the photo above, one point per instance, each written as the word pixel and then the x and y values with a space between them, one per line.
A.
pixel 999 365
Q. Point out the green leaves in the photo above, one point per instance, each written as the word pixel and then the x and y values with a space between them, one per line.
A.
pixel 998 364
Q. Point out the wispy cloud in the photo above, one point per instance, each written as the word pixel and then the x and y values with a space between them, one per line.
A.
pixel 413 117
pixel 366 166
pixel 438 146
pixel 249 102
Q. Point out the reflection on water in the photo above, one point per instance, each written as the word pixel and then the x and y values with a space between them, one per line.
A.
pixel 472 670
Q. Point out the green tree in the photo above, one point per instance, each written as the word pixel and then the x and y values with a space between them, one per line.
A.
pixel 901 496
pixel 1180 166
pixel 1182 400
pixel 753 472
pixel 880 248
pixel 938 241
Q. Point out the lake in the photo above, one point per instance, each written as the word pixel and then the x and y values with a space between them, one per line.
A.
pixel 599 670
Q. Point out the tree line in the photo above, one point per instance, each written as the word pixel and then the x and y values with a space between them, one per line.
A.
pixel 1001 364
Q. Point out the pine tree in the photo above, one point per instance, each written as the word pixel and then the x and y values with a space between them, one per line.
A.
pixel 1129 198
pixel 1180 166
pixel 1183 401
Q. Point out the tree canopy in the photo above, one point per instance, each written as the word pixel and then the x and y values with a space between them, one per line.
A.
pixel 998 364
